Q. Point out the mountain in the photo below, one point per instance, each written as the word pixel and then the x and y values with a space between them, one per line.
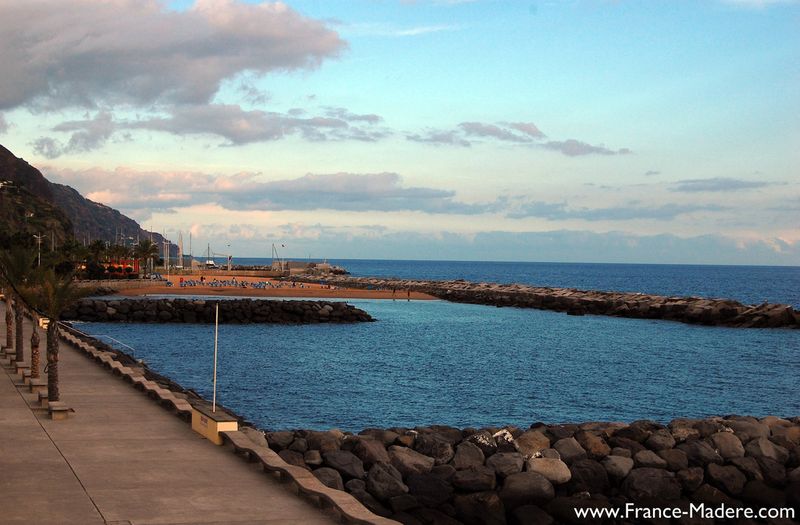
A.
pixel 55 205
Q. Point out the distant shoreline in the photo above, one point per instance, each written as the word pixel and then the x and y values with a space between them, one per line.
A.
pixel 276 289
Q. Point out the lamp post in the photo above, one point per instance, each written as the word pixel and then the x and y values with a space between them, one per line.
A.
pixel 39 246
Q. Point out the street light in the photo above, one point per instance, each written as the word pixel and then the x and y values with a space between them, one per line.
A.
pixel 39 245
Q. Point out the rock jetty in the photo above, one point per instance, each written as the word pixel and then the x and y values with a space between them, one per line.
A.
pixel 234 311
pixel 693 310
pixel 540 475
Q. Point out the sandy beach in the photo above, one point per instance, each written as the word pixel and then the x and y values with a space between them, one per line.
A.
pixel 271 288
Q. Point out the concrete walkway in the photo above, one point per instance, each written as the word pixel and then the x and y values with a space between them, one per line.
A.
pixel 122 459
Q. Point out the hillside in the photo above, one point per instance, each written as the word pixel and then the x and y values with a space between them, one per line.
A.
pixel 80 217
pixel 24 215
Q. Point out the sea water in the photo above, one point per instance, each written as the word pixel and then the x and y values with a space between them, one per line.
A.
pixel 435 362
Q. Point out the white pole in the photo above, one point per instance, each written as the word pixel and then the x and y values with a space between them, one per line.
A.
pixel 216 337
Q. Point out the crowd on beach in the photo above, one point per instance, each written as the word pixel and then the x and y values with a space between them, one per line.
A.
pixel 233 282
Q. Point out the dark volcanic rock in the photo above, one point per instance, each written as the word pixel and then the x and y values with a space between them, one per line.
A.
pixel 589 476
pixel 385 482
pixel 408 461
pixel 345 462
pixel 480 508
pixel 429 489
pixel 526 488
pixel 651 484
pixel 475 479
pixel 329 477
pixel 506 463
pixel 434 446
pixel 467 455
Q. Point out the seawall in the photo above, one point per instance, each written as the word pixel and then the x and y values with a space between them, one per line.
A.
pixel 542 474
pixel 693 310
pixel 233 311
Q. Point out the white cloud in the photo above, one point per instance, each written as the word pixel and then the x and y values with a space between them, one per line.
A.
pixel 60 53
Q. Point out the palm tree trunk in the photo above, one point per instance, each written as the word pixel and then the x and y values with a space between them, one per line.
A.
pixel 35 354
pixel 19 346
pixel 52 361
pixel 9 324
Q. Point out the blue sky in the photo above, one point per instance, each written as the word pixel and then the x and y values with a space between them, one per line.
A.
pixel 493 130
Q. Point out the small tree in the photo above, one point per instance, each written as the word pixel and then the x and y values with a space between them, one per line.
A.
pixel 52 294
pixel 17 266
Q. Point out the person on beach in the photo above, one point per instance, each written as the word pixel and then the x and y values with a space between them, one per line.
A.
pixel 394 291
pixel 409 295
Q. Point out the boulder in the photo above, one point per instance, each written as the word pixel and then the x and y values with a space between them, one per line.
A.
pixel 531 442
pixel 484 441
pixel 622 442
pixel 430 490
pixel 280 440
pixel 475 479
pixel 403 503
pixel 299 445
pixel 345 462
pixel 619 451
pixel 480 508
pixel 293 458
pixel 548 453
pixel 434 446
pixel 727 445
pixel 570 450
pixel 329 477
pixel 312 457
pixel 691 478
pixel 774 473
pixel 446 472
pixel 505 441
pixel 329 441
pixel 759 494
pixel 648 458
pixel 713 497
pixel 408 461
pixel 651 484
pixel 526 488
pixel 467 455
pixel 727 478
pixel 700 453
pixel 676 459
pixel 556 471
pixel 506 463
pixel 746 430
pixel 749 466
pixel 660 439
pixel 594 445
pixel 765 448
pixel 617 466
pixel 358 489
pixel 385 482
pixel 370 451
pixel 589 476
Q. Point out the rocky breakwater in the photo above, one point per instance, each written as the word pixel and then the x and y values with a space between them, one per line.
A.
pixel 540 475
pixel 241 311
pixel 694 310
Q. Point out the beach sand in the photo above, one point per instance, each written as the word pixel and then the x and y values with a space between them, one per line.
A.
pixel 278 289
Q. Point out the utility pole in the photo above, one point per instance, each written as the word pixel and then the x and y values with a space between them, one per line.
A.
pixel 39 246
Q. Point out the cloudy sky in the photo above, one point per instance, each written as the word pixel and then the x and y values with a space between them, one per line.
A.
pixel 575 130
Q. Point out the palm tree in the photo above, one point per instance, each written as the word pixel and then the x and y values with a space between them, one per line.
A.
pixel 52 295
pixel 145 250
pixel 97 250
pixel 17 266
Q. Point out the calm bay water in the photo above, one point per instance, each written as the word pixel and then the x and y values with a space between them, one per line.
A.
pixel 748 284
pixel 469 365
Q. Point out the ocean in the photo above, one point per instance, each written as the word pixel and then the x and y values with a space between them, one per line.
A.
pixel 434 362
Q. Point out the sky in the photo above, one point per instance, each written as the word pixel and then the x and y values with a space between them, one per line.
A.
pixel 575 130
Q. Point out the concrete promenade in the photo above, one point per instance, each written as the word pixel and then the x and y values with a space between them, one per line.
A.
pixel 122 459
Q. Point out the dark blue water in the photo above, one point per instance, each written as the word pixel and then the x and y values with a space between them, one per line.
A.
pixel 468 365
pixel 748 284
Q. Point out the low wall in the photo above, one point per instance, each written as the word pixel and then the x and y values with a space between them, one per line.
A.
pixel 240 311
pixel 693 310
pixel 541 475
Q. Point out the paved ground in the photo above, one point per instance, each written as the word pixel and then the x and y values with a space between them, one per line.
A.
pixel 122 459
